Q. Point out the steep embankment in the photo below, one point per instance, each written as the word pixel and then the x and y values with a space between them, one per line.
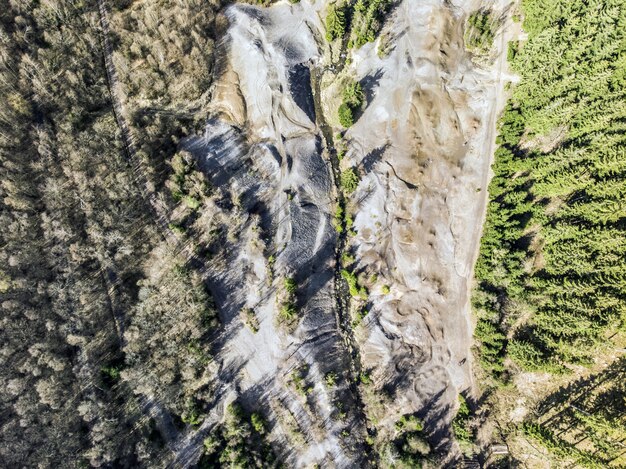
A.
pixel 265 154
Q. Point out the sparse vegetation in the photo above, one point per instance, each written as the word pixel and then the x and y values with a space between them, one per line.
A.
pixel 367 20
pixel 347 259
pixel 238 441
pixel 346 115
pixel 461 426
pixel 298 380
pixel 353 98
pixel 407 448
pixel 356 290
pixel 335 22
pixel 250 319
pixel 357 316
pixel 288 312
pixel 330 379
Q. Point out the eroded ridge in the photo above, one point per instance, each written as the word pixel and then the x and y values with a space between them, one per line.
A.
pixel 263 150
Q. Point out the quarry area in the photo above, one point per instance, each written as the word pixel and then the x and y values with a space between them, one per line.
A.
pixel 339 324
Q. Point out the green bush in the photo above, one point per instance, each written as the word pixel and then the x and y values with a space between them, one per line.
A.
pixel 356 290
pixel 367 20
pixel 349 180
pixel 460 424
pixel 346 118
pixel 290 285
pixel 288 311
pixel 358 316
pixel 338 222
pixel 481 30
pixel 353 98
pixel 111 373
pixel 330 379
pixel 335 23
pixel 409 423
pixel 258 423
pixel 353 95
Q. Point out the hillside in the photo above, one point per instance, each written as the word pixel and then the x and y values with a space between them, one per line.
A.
pixel 312 234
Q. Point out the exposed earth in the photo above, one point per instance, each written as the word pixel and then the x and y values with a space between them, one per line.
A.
pixel 422 147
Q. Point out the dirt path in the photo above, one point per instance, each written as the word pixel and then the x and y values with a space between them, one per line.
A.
pixel 506 34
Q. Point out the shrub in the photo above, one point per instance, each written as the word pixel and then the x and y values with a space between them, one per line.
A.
pixel 288 311
pixel 346 118
pixel 250 319
pixel 353 98
pixel 353 95
pixel 349 180
pixel 365 378
pixel 335 23
pixel 347 259
pixel 290 285
pixel 481 30
pixel 358 317
pixel 356 290
pixel 338 221
pixel 330 379
pixel 409 423
pixel 191 415
pixel 258 423
pixel 460 424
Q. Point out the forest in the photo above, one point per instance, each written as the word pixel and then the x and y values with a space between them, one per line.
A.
pixel 551 277
pixel 105 320
pixel 108 229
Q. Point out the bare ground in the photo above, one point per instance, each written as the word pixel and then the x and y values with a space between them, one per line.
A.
pixel 423 147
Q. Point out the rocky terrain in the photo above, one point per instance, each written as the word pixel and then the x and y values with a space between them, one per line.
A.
pixel 422 146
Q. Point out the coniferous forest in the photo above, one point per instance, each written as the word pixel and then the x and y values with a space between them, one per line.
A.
pixel 551 274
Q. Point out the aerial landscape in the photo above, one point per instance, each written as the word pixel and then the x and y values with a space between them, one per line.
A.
pixel 313 234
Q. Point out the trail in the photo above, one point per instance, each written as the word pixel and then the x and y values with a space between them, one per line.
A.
pixel 505 36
